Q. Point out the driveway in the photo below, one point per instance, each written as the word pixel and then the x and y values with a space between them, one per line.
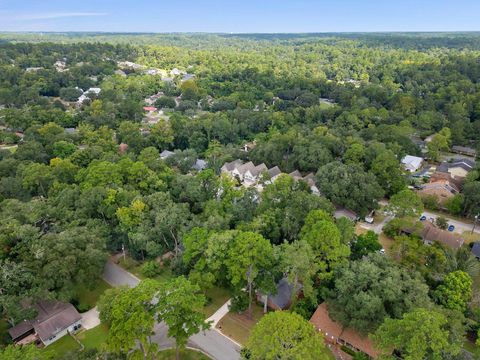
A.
pixel 90 319
pixel 217 345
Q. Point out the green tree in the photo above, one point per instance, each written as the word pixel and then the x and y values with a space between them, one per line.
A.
pixel 132 317
pixel 405 204
pixel 324 238
pixel 298 262
pixel 63 149
pixel 349 186
pixel 441 222
pixel 471 204
pixel 456 291
pixel 368 290
pixel 285 335
pixel 180 306
pixel 440 142
pixel 387 170
pixel 364 245
pixel 26 352
pixel 418 335
pixel 247 255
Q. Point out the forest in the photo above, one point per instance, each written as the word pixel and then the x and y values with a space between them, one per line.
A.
pixel 85 121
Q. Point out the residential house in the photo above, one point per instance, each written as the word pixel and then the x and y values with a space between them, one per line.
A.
pixel 476 250
pixel 342 212
pixel 230 166
pixel 273 173
pixel 442 186
pixel 252 176
pixel 187 77
pixel 60 65
pixel 129 65
pixel 431 234
pixel 176 72
pixel 149 109
pixel 310 180
pixel 120 72
pixel 412 163
pixel 282 299
pixel 165 154
pixel 337 335
pixel 457 168
pixel 463 150
pixel 53 321
pixel 200 165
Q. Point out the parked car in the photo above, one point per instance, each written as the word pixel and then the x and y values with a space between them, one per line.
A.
pixel 423 218
pixel 451 227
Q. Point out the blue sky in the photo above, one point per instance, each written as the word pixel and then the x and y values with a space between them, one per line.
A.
pixel 239 15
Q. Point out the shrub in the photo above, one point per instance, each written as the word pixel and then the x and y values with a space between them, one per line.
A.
pixel 430 202
pixel 151 269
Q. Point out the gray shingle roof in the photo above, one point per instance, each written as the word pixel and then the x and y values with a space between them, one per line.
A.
pixel 274 171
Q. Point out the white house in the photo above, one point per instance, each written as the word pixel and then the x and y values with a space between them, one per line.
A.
pixel 412 163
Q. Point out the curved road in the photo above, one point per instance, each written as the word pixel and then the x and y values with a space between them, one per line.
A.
pixel 212 342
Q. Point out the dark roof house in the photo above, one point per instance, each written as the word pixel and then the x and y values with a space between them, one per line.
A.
pixel 52 321
pixel 476 250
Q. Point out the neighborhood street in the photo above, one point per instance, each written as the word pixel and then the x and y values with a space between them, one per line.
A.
pixel 212 342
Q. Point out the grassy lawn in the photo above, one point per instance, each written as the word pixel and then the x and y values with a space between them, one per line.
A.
pixel 217 297
pixel 63 346
pixel 87 298
pixel 469 237
pixel 238 326
pixel 186 354
pixel 385 241
pixel 94 338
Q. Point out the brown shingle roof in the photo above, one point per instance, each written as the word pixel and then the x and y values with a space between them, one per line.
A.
pixel 431 233
pixel 20 329
pixel 53 317
pixel 322 321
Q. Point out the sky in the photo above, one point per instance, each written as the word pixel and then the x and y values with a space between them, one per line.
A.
pixel 240 16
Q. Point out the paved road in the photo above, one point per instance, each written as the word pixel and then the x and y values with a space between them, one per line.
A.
pixel 217 345
pixel 460 226
pixel 117 276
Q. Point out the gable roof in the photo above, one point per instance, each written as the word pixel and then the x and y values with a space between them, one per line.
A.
pixel 259 169
pixel 274 171
pixel 476 249
pixel 229 166
pixel 53 317
pixel 295 175
pixel 322 322
pixel 441 184
pixel 412 162
pixel 466 164
pixel 284 294
pixel 166 154
pixel 464 150
pixel 432 233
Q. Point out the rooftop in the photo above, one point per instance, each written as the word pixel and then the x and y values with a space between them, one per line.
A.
pixel 332 329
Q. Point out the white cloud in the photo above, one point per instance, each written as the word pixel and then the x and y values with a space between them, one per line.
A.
pixel 58 15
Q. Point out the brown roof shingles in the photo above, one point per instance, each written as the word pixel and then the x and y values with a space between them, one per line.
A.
pixel 323 323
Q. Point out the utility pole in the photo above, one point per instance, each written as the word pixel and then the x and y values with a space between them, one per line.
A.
pixel 475 222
